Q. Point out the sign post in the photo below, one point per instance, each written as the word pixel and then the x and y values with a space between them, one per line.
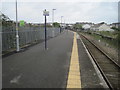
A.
pixel 45 13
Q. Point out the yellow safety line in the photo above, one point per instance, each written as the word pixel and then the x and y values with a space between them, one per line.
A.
pixel 74 80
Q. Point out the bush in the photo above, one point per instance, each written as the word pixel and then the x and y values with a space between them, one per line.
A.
pixel 116 29
pixel 77 26
pixel 56 24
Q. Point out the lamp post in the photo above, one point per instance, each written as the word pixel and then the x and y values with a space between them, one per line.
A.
pixel 17 35
pixel 53 34
pixel 53 15
pixel 61 19
pixel 61 24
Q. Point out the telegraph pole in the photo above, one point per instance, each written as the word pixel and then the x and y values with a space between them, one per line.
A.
pixel 17 35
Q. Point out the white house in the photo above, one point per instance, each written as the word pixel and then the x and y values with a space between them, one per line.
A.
pixel 117 25
pixel 101 27
pixel 86 26
pixel 105 27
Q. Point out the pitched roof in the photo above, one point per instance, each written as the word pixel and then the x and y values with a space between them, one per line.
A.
pixel 98 25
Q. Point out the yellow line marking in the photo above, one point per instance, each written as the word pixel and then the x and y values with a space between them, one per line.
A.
pixel 74 80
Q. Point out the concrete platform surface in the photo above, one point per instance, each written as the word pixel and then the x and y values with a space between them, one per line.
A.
pixel 40 68
pixel 37 67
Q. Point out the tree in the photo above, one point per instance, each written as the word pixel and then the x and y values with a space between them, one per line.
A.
pixel 77 26
pixel 55 24
pixel 116 29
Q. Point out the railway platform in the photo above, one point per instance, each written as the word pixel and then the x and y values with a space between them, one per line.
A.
pixel 65 64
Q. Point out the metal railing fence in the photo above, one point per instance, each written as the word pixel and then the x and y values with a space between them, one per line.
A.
pixel 28 34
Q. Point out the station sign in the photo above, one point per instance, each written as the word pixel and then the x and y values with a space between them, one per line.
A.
pixel 46 13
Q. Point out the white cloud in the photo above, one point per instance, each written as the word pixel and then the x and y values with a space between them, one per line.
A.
pixel 72 11
pixel 61 0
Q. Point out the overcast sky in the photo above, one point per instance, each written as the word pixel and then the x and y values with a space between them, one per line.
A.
pixel 72 10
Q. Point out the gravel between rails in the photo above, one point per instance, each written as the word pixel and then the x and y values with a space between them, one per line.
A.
pixel 112 52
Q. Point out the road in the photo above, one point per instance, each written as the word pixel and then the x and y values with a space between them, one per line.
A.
pixel 40 68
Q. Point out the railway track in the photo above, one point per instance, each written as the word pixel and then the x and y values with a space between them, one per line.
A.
pixel 108 67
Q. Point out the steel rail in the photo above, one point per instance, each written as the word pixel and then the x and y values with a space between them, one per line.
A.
pixel 102 72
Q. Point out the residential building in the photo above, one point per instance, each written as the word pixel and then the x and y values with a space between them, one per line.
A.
pixel 115 25
pixel 101 27
pixel 86 26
